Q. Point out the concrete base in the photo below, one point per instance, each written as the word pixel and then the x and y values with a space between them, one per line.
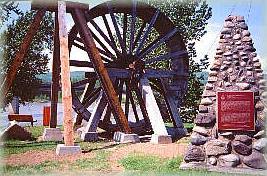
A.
pixel 125 138
pixel 89 136
pixel 161 139
pixel 52 134
pixel 80 131
pixel 67 150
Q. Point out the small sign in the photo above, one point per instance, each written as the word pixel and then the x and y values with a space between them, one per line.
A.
pixel 235 111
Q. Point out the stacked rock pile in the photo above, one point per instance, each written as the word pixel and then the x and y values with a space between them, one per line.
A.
pixel 236 67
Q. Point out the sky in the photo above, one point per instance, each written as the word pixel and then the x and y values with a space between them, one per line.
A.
pixel 255 17
pixel 252 10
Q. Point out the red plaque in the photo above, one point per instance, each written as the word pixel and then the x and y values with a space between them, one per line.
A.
pixel 235 111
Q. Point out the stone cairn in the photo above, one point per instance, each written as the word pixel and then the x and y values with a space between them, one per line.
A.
pixel 236 68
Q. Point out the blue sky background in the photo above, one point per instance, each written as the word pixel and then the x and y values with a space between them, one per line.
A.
pixel 255 16
pixel 252 10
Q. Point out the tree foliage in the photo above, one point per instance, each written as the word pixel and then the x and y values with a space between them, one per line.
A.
pixel 35 62
pixel 6 9
pixel 190 17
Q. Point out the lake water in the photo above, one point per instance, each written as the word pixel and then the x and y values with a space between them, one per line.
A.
pixel 34 109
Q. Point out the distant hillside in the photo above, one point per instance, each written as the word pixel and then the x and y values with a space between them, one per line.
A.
pixel 79 75
pixel 75 76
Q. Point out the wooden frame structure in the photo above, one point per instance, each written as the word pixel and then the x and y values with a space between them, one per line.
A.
pixel 126 68
pixel 61 59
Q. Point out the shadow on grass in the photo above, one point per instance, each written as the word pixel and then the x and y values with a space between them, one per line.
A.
pixel 16 147
pixel 30 144
pixel 100 148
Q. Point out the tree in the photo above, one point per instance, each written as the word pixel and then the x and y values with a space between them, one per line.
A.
pixel 6 9
pixel 26 83
pixel 190 17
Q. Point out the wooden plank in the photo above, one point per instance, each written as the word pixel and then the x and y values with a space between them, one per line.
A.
pixel 152 108
pixel 21 118
pixel 80 109
pixel 96 114
pixel 141 102
pixel 89 87
pixel 107 116
pixel 77 63
pixel 169 56
pixel 129 93
pixel 148 29
pixel 99 67
pixel 51 5
pixel 132 26
pixel 156 43
pixel 172 106
pixel 55 76
pixel 19 57
pixel 116 27
pixel 65 75
pixel 149 73
pixel 82 82
pixel 94 94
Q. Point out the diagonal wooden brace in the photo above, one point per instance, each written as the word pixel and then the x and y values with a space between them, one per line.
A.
pixel 24 47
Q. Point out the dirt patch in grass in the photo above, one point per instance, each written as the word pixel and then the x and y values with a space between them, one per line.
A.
pixel 115 154
pixel 36 157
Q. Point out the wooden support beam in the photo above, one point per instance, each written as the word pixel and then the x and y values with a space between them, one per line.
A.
pixel 100 69
pixel 79 117
pixel 51 5
pixel 172 106
pixel 152 108
pixel 96 114
pixel 65 75
pixel 24 47
pixel 149 73
pixel 55 76
pixel 81 110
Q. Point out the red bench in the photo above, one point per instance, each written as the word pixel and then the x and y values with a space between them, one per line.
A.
pixel 21 118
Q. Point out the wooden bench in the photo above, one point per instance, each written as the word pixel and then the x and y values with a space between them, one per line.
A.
pixel 21 118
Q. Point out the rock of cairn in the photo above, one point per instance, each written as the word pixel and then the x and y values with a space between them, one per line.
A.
pixel 236 67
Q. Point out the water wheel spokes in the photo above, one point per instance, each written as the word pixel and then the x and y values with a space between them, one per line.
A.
pixel 137 44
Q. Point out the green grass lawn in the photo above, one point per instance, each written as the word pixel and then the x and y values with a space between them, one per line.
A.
pixel 143 162
pixel 16 146
pixel 133 163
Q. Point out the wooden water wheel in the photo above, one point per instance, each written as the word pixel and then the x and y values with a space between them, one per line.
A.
pixel 145 57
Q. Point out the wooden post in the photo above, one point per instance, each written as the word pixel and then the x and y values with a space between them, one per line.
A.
pixel 24 47
pixel 55 75
pixel 65 75
pixel 172 106
pixel 96 114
